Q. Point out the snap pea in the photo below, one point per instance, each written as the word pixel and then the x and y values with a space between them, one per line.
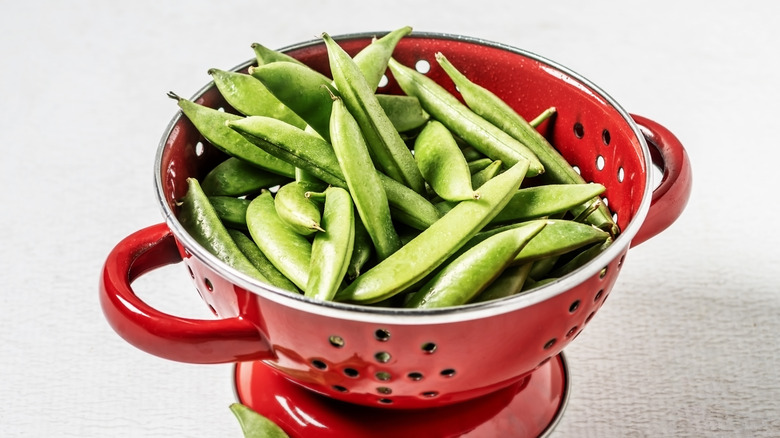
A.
pixel 236 177
pixel 481 177
pixel 433 246
pixel 462 121
pixel 442 164
pixel 287 250
pixel 405 112
pixel 296 209
pixel 250 97
pixel 198 217
pixel 469 274
pixel 372 59
pixel 230 210
pixel 546 200
pixel 254 425
pixel 211 124
pixel 508 283
pixel 478 164
pixel 386 147
pixel 361 252
pixel 362 179
pixel 581 259
pixel 316 156
pixel 332 247
pixel 265 55
pixel 541 268
pixel 260 261
pixel 498 112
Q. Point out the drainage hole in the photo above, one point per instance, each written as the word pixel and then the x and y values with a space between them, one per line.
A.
pixel 385 401
pixel 209 285
pixel 416 376
pixel 382 335
pixel 579 130
pixel 571 331
pixel 351 372
pixel 550 343
pixel 192 274
pixel 600 162
pixel 574 306
pixel 384 390
pixel 382 357
pixel 430 394
pixel 382 375
pixel 422 66
pixel 336 341
pixel 605 137
pixel 449 372
pixel 320 365
pixel 339 388
pixel 587 320
pixel 429 347
pixel 603 272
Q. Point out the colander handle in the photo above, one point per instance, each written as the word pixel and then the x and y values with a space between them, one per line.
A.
pixel 180 339
pixel 671 195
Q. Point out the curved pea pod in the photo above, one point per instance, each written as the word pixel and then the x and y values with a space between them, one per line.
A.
pixel 415 260
pixel 265 55
pixel 404 112
pixel 332 247
pixel 250 97
pixel 230 210
pixel 478 164
pixel 296 209
pixel 316 156
pixel 499 113
pixel 361 252
pixel 211 124
pixel 287 250
pixel 261 262
pixel 442 164
pixel 372 59
pixel 362 179
pixel 481 177
pixel 469 274
pixel 508 283
pixel 199 218
pixel 546 200
pixel 580 259
pixel 254 425
pixel 236 177
pixel 462 121
pixel 300 88
pixel 386 147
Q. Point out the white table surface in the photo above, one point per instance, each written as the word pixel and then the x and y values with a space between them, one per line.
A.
pixel 687 344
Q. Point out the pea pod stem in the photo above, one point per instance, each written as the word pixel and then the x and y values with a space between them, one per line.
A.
pixel 462 121
pixel 544 115
pixel 412 262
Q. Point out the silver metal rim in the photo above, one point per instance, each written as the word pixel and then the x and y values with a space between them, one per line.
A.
pixel 380 315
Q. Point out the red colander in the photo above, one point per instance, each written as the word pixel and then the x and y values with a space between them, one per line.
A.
pixel 401 358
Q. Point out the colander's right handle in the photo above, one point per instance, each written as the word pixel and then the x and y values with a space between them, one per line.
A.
pixel 671 195
pixel 171 337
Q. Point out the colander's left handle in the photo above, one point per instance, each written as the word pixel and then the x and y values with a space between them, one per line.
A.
pixel 171 337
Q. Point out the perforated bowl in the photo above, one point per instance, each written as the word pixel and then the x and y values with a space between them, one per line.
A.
pixel 398 358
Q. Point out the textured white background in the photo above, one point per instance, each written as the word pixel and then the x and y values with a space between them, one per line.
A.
pixel 687 344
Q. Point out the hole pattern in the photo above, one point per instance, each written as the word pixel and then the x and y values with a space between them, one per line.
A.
pixel 208 284
pixel 384 376
pixel 351 372
pixel 574 306
pixel 579 130
pixel 382 335
pixel 449 372
pixel 336 341
pixel 429 347
pixel 430 394
pixel 384 390
pixel 200 149
pixel 605 137
pixel 600 162
pixel 382 357
pixel 422 66
pixel 416 376
pixel 320 365
pixel 550 343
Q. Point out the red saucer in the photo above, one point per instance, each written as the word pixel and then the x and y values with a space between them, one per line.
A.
pixel 529 408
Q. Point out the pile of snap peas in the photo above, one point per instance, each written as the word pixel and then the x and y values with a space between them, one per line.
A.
pixel 333 190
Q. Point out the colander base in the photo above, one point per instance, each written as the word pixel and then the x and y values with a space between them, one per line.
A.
pixel 529 408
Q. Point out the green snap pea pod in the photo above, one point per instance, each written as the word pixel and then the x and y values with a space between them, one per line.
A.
pixel 469 153
pixel 250 97
pixel 198 217
pixel 405 112
pixel 362 179
pixel 462 121
pixel 300 88
pixel 287 250
pixel 508 283
pixel 388 150
pixel 296 209
pixel 265 55
pixel 481 177
pixel 542 267
pixel 546 114
pixel 581 259
pixel 498 112
pixel 230 210
pixel 236 177
pixel 469 274
pixel 211 124
pixel 372 59
pixel 332 247
pixel 437 243
pixel 442 164
pixel 361 252
pixel 254 425
pixel 316 156
pixel 530 283
pixel 546 200
pixel 478 164
pixel 261 262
